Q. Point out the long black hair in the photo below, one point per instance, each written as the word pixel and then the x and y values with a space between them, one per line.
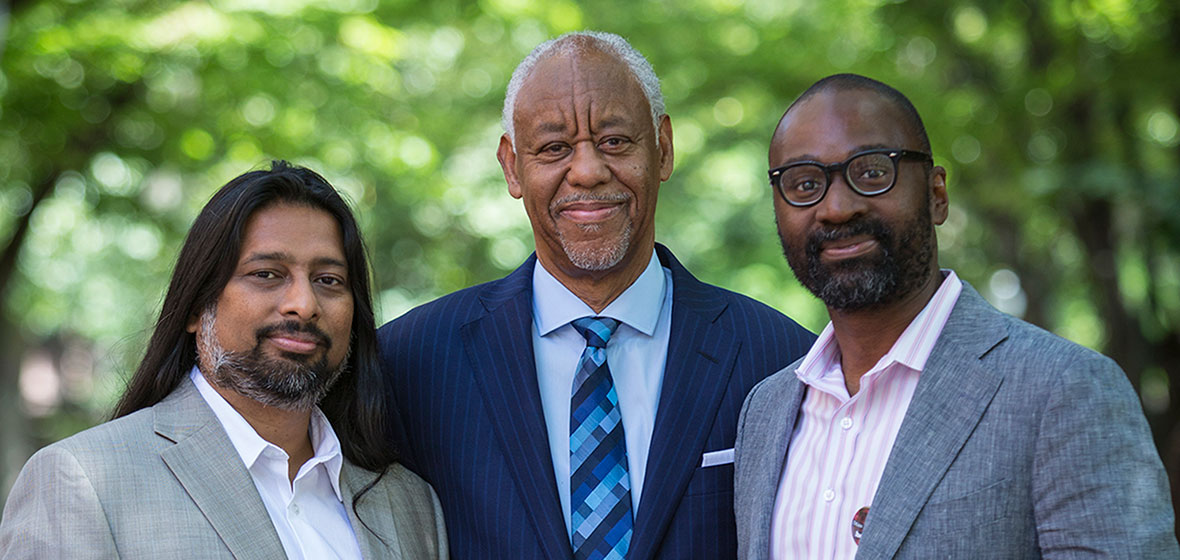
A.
pixel 355 405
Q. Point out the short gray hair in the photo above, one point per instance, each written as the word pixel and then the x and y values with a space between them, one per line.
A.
pixel 575 41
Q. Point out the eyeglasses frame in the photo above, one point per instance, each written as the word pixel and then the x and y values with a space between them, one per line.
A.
pixel 894 156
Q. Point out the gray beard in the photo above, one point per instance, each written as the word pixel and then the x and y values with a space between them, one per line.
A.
pixel 597 258
pixel 285 383
pixel 600 257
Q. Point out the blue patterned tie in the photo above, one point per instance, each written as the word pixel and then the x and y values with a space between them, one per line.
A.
pixel 600 486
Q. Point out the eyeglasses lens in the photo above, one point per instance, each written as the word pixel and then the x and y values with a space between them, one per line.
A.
pixel 803 183
pixel 871 173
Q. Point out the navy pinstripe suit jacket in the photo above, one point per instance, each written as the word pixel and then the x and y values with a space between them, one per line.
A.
pixel 465 384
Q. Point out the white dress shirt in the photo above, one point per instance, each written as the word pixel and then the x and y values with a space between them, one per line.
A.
pixel 841 443
pixel 308 514
pixel 636 354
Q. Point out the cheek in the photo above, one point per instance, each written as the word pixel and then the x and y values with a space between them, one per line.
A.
pixel 340 326
pixel 239 315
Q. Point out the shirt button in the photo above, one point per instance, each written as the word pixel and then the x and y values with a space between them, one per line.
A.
pixel 829 495
pixel 846 422
pixel 295 508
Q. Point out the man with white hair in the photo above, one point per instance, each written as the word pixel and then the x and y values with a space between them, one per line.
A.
pixel 585 405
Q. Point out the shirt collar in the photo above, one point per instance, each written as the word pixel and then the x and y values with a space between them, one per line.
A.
pixel 250 445
pixel 911 349
pixel 638 306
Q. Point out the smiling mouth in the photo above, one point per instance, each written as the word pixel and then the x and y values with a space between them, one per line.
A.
pixel 590 212
pixel 589 208
pixel 849 247
pixel 294 343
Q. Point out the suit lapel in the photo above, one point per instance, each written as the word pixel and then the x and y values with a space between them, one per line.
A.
pixel 371 527
pixel 499 347
pixel 953 393
pixel 701 356
pixel 206 464
pixel 771 418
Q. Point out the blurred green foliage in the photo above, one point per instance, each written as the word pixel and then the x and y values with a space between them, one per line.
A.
pixel 1057 121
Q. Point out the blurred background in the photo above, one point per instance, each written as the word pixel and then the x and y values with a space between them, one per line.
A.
pixel 1057 121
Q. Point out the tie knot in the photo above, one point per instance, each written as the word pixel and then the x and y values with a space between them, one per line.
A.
pixel 597 330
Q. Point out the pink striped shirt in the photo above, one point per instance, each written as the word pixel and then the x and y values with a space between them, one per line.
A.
pixel 840 444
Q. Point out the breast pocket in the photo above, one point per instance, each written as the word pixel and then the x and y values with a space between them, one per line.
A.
pixel 711 480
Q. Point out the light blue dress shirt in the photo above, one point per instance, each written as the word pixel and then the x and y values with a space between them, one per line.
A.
pixel 636 353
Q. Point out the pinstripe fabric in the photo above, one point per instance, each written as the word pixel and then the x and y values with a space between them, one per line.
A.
pixel 1016 444
pixel 451 359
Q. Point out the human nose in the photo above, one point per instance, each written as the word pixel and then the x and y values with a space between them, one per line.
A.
pixel 299 300
pixel 587 168
pixel 840 203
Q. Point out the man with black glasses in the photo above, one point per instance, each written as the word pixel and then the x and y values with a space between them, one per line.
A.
pixel 924 423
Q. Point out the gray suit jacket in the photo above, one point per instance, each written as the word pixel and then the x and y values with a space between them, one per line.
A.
pixel 1017 444
pixel 166 482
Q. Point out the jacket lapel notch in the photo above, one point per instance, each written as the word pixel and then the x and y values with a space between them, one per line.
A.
pixel 701 357
pixel 366 523
pixel 768 468
pixel 500 349
pixel 210 470
pixel 951 398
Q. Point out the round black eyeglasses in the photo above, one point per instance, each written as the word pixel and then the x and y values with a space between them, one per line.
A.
pixel 869 173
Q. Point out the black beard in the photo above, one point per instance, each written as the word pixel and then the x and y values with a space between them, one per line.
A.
pixel 900 268
pixel 289 382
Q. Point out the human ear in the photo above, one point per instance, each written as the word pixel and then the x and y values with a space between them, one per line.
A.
pixel 507 156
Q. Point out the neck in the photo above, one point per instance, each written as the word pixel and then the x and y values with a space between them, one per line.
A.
pixel 865 335
pixel 285 428
pixel 598 288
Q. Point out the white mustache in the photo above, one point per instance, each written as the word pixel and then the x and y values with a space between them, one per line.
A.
pixel 589 197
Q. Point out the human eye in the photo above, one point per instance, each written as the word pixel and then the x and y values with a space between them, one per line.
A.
pixel 803 181
pixel 263 274
pixel 330 280
pixel 554 149
pixel 334 282
pixel 614 142
pixel 805 186
pixel 871 169
pixel 873 173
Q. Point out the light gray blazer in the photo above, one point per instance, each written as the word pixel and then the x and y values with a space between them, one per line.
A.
pixel 166 483
pixel 1017 444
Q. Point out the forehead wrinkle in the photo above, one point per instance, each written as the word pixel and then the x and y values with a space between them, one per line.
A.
pixel 559 107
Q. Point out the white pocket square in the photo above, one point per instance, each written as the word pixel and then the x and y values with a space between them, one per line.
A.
pixel 714 458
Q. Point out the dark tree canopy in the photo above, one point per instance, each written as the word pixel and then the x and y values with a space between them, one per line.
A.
pixel 1057 121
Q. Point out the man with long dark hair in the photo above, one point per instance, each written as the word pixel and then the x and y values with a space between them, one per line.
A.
pixel 218 448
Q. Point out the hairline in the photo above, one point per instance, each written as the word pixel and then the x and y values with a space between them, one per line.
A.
pixel 838 83
pixel 575 42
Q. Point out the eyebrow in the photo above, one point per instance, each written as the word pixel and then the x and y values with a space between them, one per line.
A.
pixel 554 127
pixel 286 257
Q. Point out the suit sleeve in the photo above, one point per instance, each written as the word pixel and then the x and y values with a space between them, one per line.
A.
pixel 1099 488
pixel 53 511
